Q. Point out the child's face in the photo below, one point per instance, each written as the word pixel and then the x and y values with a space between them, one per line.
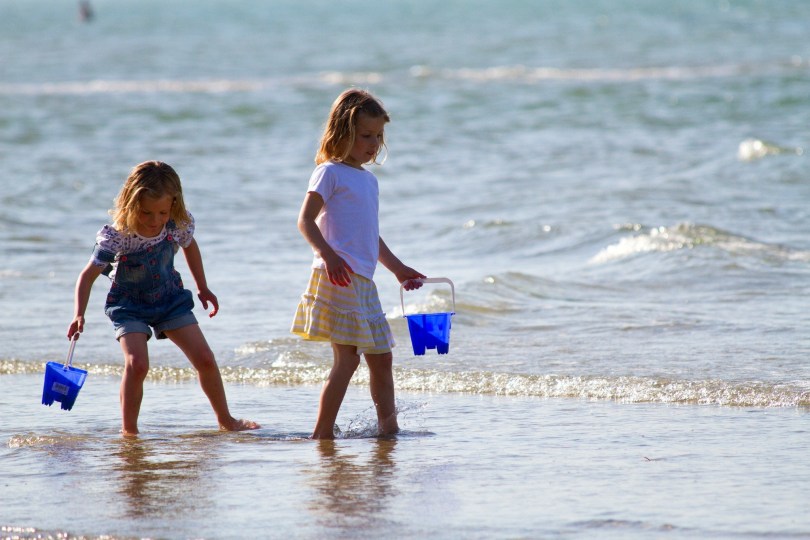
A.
pixel 154 214
pixel 367 140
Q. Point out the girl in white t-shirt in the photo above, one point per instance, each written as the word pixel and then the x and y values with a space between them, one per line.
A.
pixel 339 219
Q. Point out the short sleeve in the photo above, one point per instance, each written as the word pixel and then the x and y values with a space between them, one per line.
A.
pixel 322 182
pixel 184 236
pixel 108 243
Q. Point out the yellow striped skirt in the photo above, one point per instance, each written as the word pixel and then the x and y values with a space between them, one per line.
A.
pixel 345 315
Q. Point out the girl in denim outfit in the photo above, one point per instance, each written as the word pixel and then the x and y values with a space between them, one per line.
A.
pixel 150 223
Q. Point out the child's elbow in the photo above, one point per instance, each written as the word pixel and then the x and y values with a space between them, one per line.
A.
pixel 303 224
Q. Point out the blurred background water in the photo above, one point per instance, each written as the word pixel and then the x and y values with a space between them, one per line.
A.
pixel 619 190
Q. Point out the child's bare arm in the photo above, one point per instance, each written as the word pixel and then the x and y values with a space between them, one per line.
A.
pixel 402 272
pixel 82 296
pixel 336 268
pixel 195 266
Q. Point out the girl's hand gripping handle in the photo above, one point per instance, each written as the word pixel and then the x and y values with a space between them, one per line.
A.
pixel 421 281
pixel 76 328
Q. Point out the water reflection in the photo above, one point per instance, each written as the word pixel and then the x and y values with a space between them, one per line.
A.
pixel 353 487
pixel 161 477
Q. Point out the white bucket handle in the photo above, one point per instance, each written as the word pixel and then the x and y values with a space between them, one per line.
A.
pixel 69 360
pixel 427 280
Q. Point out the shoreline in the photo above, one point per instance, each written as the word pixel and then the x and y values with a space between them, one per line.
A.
pixel 465 465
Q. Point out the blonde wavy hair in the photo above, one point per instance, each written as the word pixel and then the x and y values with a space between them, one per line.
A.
pixel 340 130
pixel 153 179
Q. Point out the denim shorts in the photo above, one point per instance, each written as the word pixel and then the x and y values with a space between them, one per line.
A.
pixel 129 316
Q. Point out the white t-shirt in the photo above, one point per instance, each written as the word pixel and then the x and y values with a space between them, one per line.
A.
pixel 349 220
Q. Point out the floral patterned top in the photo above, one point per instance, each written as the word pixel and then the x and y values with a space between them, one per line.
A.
pixel 110 240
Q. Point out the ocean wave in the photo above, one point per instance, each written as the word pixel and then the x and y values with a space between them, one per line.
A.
pixel 13 532
pixel 529 74
pixel 33 440
pixel 514 73
pixel 522 73
pixel 214 86
pixel 624 389
pixel 690 236
pixel 197 86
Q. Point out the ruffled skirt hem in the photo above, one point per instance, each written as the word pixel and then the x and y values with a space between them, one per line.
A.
pixel 345 315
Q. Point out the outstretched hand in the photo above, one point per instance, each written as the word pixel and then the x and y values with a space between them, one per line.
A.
pixel 206 296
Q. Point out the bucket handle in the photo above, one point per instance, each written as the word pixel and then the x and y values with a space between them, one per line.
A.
pixel 427 280
pixel 69 360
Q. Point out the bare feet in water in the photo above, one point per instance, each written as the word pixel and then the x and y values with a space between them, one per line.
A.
pixel 234 424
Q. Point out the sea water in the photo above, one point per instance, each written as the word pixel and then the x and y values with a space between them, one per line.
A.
pixel 618 190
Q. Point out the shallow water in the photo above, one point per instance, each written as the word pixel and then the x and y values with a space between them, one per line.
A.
pixel 465 465
pixel 618 190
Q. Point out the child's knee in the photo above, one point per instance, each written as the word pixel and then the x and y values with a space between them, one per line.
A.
pixel 384 361
pixel 136 366
pixel 346 357
pixel 205 361
pixel 349 363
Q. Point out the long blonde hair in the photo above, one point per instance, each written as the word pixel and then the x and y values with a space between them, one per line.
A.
pixel 153 179
pixel 340 130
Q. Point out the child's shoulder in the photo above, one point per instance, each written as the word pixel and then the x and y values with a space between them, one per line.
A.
pixel 333 177
pixel 110 240
pixel 326 172
pixel 335 169
pixel 327 168
pixel 108 233
pixel 187 224
pixel 182 233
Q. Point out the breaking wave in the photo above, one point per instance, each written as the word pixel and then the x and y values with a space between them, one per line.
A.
pixel 623 389
pixel 691 236
pixel 512 73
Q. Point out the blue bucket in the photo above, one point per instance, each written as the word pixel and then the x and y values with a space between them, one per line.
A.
pixel 429 330
pixel 63 381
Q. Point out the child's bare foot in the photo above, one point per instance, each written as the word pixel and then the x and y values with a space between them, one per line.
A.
pixel 128 433
pixel 389 426
pixel 234 424
pixel 325 435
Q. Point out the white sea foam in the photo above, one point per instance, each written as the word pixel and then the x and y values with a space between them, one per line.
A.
pixel 625 389
pixel 533 74
pixel 689 236
pixel 518 73
pixel 213 86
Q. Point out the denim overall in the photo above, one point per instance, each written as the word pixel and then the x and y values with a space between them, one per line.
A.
pixel 147 291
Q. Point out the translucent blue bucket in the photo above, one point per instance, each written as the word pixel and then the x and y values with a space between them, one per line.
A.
pixel 63 381
pixel 429 330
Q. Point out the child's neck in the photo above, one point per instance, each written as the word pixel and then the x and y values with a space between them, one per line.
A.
pixel 352 165
pixel 147 234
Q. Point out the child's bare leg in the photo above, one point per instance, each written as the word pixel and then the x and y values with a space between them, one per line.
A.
pixel 381 377
pixel 191 341
pixel 345 364
pixel 136 367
